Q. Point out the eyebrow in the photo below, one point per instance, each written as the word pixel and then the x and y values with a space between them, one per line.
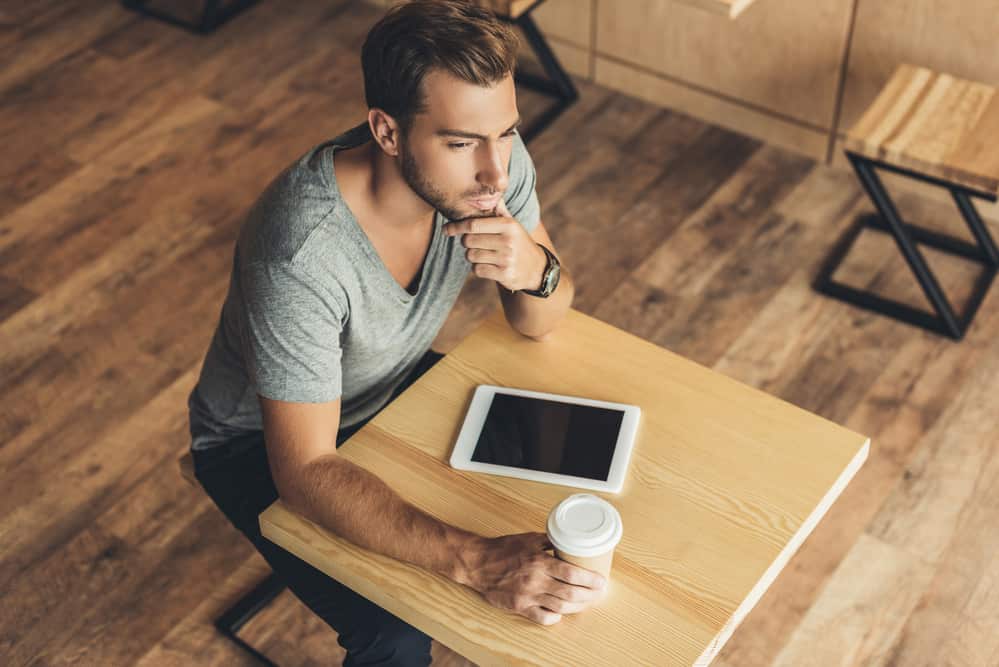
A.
pixel 473 135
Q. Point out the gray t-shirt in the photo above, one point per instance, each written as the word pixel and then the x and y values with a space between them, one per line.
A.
pixel 312 313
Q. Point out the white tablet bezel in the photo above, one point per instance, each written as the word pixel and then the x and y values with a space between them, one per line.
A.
pixel 475 418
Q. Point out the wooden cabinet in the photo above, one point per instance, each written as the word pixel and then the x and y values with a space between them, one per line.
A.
pixel 772 72
pixel 793 73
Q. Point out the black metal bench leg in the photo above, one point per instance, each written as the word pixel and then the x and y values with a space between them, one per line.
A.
pixel 212 14
pixel 230 622
pixel 907 238
pixel 558 85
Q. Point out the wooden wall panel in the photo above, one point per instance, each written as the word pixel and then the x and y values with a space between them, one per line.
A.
pixel 959 38
pixel 712 109
pixel 781 56
pixel 577 61
pixel 569 20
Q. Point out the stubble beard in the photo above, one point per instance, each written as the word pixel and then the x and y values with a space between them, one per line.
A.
pixel 428 192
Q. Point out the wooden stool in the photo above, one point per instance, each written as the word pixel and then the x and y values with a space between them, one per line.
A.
pixel 234 618
pixel 941 130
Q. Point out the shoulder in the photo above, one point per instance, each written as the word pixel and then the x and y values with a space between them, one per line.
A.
pixel 521 164
pixel 290 213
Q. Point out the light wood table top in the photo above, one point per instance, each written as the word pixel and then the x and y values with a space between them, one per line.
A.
pixel 724 485
pixel 935 124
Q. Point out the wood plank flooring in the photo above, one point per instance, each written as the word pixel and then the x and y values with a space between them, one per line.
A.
pixel 132 150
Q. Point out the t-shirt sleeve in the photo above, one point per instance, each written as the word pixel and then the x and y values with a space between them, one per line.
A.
pixel 520 197
pixel 291 334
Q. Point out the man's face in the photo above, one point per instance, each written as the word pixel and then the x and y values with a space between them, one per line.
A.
pixel 456 154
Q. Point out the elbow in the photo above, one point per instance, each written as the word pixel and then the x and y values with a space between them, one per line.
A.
pixel 292 495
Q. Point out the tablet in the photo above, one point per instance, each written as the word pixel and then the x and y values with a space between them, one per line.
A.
pixel 550 438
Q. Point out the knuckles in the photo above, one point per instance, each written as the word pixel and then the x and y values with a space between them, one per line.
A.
pixel 521 602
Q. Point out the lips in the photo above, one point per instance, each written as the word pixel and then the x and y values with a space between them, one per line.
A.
pixel 485 204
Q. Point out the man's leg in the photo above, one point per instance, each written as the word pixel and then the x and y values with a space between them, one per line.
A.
pixel 239 483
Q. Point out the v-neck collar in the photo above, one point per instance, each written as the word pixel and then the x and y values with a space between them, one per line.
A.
pixel 351 139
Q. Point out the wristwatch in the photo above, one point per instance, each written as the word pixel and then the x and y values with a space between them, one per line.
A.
pixel 549 279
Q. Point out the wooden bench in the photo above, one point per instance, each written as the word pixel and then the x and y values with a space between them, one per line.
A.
pixel 941 130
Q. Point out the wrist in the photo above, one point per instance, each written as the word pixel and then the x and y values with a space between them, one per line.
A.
pixel 538 275
pixel 467 559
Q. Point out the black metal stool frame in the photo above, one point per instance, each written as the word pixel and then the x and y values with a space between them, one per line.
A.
pixel 907 236
pixel 558 85
pixel 234 618
pixel 212 14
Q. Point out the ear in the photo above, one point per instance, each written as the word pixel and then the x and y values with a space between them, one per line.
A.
pixel 385 131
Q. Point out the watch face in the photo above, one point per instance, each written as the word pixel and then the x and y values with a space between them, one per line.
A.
pixel 551 279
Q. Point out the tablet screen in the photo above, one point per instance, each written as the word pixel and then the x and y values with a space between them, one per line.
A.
pixel 549 436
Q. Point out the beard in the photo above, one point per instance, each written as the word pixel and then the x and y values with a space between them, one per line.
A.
pixel 428 192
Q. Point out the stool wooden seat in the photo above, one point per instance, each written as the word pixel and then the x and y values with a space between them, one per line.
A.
pixel 936 124
pixel 938 129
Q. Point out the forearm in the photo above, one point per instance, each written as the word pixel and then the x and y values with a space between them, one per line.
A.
pixel 535 316
pixel 358 506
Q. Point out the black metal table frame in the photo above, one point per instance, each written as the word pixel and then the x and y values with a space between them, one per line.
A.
pixel 908 237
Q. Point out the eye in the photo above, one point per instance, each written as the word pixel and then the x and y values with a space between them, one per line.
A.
pixel 458 145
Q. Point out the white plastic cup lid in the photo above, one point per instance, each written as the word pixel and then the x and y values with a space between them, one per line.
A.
pixel 584 525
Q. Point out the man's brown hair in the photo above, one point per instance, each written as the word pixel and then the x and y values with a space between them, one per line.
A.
pixel 419 36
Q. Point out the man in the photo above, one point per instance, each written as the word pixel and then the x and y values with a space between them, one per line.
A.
pixel 344 272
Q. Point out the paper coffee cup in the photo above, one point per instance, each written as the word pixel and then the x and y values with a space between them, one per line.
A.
pixel 585 530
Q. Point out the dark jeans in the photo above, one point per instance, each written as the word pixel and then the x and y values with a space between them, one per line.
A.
pixel 237 477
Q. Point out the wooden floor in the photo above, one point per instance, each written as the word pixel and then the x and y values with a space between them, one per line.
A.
pixel 130 151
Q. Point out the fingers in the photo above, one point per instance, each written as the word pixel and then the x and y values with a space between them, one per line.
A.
pixel 482 256
pixel 561 606
pixel 477 226
pixel 489 272
pixel 542 616
pixel 577 576
pixel 497 242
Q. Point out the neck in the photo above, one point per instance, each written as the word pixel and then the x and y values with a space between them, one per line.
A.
pixel 393 201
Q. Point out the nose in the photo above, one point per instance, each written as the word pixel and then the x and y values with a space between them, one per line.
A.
pixel 492 171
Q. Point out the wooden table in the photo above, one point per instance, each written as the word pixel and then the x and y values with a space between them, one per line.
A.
pixel 725 483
